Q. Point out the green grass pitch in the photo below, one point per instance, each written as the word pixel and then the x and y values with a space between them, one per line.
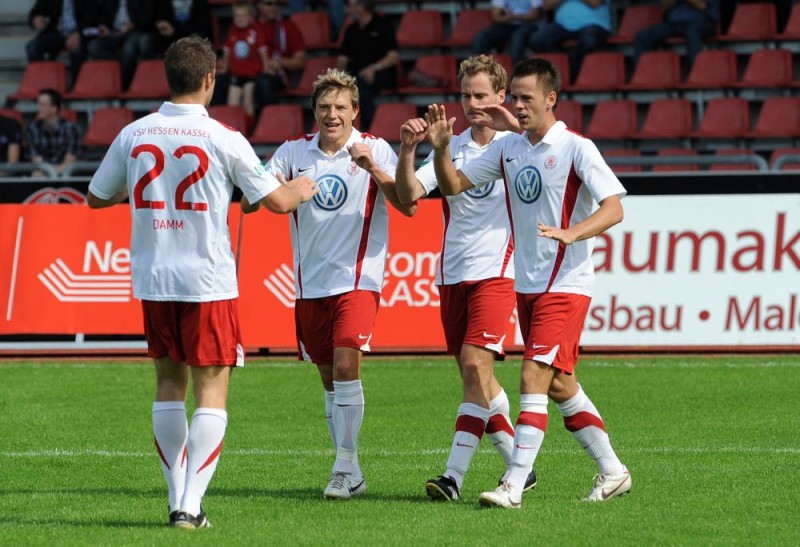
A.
pixel 712 444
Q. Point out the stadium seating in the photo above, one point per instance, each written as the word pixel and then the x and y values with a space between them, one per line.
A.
pixel 149 81
pixel 712 69
pixel 389 117
pixel 561 62
pixel 792 29
pixel 623 153
pixel 725 117
pixel 779 118
pixel 314 67
pixel 12 113
pixel 656 70
pixel 732 166
pixel 232 116
pixel 663 168
pixel 442 68
pixel 278 123
pixel 786 165
pixel 314 27
pixel 571 113
pixel 768 68
pixel 468 23
pixel 105 125
pixel 421 29
pixel 97 80
pixel 634 19
pixel 601 71
pixel 667 119
pixel 614 119
pixel 40 75
pixel 752 23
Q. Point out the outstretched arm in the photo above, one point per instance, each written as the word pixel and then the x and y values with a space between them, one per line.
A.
pixel 286 198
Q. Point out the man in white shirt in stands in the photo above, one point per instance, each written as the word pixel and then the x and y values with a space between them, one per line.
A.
pixel 179 167
pixel 339 241
pixel 475 274
pixel 553 177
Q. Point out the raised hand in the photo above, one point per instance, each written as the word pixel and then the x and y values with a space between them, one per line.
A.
pixel 413 132
pixel 440 129
pixel 497 117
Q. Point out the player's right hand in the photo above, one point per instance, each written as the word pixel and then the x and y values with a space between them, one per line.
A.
pixel 440 129
pixel 413 132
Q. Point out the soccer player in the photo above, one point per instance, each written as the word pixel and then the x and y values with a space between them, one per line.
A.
pixel 179 167
pixel 339 241
pixel 475 274
pixel 553 177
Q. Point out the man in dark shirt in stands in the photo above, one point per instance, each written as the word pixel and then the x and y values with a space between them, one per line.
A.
pixel 10 140
pixel 369 52
pixel 694 20
pixel 52 139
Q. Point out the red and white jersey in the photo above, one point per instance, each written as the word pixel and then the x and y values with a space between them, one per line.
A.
pixel 477 241
pixel 340 237
pixel 557 182
pixel 180 167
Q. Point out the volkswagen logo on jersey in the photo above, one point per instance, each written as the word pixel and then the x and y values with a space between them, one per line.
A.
pixel 479 192
pixel 528 184
pixel 332 193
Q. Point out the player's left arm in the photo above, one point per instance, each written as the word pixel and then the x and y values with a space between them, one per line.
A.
pixel 362 156
pixel 607 215
pixel 109 183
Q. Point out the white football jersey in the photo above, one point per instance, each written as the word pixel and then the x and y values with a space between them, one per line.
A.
pixel 557 182
pixel 340 237
pixel 477 241
pixel 180 167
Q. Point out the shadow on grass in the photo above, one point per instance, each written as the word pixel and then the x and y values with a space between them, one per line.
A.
pixel 313 494
pixel 82 523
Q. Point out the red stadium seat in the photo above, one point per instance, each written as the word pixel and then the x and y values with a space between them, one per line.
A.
pixel 667 119
pixel 69 114
pixel 623 153
pixel 441 68
pixel 779 118
pixel 420 29
pixel 105 125
pixel 656 70
pixel 468 23
pixel 278 123
pixel 786 165
pixel 792 29
pixel 676 167
pixel 615 119
pixel 98 80
pixel 388 119
pixel 571 113
pixel 314 27
pixel 561 62
pixel 733 166
pixel 712 69
pixel 726 117
pixel 752 23
pixel 634 19
pixel 41 75
pixel 601 71
pixel 149 81
pixel 232 116
pixel 12 113
pixel 314 67
pixel 768 68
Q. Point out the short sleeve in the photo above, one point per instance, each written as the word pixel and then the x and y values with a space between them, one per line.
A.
pixel 595 172
pixel 111 176
pixel 248 173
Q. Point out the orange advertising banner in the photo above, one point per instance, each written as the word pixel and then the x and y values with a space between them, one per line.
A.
pixel 65 269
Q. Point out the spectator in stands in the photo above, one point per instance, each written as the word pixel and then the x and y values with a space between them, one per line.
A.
pixel 369 52
pixel 60 25
pixel 10 140
pixel 181 18
pixel 244 57
pixel 51 138
pixel 127 32
pixel 586 21
pixel 513 21
pixel 286 53
pixel 335 13
pixel 695 20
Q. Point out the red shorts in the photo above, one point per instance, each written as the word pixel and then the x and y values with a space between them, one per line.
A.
pixel 551 324
pixel 196 333
pixel 340 321
pixel 477 313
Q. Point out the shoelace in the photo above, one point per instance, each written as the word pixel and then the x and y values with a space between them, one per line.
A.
pixel 337 480
pixel 505 486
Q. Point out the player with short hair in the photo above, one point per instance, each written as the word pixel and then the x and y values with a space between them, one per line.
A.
pixel 179 167
pixel 553 177
pixel 475 273
pixel 339 242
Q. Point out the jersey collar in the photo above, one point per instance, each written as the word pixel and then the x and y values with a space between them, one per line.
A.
pixel 171 109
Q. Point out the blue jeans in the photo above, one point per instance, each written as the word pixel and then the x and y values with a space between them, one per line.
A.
pixel 496 36
pixel 550 36
pixel 694 33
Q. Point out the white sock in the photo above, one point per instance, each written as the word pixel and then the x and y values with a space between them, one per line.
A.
pixel 587 427
pixel 528 437
pixel 329 416
pixel 470 423
pixel 348 413
pixel 206 434
pixel 170 430
pixel 499 428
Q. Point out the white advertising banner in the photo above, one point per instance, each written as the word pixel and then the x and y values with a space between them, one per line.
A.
pixel 695 270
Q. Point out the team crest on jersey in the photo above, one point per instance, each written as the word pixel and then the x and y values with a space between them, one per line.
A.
pixel 352 169
pixel 528 184
pixel 260 169
pixel 550 162
pixel 480 192
pixel 332 193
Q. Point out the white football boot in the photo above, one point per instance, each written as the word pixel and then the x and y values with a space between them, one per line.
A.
pixel 342 486
pixel 609 486
pixel 505 496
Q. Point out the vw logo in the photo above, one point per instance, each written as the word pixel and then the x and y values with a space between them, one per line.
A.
pixel 332 193
pixel 528 184
pixel 479 192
